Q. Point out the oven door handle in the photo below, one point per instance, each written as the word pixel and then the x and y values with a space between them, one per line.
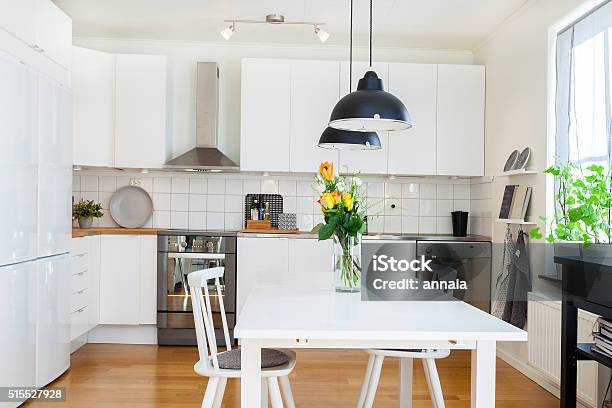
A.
pixel 198 255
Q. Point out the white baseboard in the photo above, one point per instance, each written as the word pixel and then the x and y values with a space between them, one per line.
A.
pixel 533 374
pixel 118 334
pixel 78 343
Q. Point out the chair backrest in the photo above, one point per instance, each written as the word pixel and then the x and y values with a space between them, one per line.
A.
pixel 203 315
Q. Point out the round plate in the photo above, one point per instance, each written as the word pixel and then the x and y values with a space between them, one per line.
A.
pixel 131 207
pixel 521 161
pixel 511 161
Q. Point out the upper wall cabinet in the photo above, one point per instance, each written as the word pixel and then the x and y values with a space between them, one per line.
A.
pixel 413 151
pixel 41 25
pixel 314 92
pixel 266 115
pixel 140 111
pixel 119 109
pixel 93 84
pixel 364 161
pixel 460 122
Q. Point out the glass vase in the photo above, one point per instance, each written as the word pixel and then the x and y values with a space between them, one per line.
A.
pixel 347 263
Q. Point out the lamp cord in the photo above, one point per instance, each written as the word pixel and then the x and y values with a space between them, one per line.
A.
pixel 371 1
pixel 351 53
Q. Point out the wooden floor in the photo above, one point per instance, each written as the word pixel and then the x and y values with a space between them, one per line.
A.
pixel 150 376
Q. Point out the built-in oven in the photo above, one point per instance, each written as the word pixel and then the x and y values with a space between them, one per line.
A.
pixel 178 254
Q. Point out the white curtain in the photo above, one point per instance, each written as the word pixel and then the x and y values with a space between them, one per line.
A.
pixel 583 94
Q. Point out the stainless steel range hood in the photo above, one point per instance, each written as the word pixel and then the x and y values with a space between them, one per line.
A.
pixel 205 155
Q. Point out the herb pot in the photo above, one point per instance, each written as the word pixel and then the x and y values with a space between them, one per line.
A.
pixel 85 222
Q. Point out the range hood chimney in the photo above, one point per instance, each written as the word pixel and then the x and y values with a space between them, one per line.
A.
pixel 205 155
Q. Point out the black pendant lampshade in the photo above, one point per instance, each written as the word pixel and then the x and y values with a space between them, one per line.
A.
pixel 347 140
pixel 370 109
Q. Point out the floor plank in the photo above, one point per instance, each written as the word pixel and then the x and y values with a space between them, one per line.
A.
pixel 104 375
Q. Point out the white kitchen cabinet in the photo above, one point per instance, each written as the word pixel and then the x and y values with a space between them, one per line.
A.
pixel 259 261
pixel 413 151
pixel 311 263
pixel 18 178
pixel 127 260
pixel 140 111
pixel 52 318
pixel 84 285
pixel 364 161
pixel 55 167
pixel 460 121
pixel 315 89
pixel 93 84
pixel 265 115
pixel 41 25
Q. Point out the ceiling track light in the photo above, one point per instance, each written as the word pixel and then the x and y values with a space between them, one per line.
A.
pixel 276 19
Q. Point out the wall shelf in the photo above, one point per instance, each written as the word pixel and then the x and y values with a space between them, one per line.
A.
pixel 515 222
pixel 519 172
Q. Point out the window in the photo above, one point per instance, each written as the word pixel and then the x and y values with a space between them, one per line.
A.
pixel 583 94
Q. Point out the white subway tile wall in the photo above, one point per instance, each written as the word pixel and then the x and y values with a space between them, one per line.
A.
pixel 216 202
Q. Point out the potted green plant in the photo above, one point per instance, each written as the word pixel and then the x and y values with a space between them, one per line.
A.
pixel 581 223
pixel 85 211
pixel 344 220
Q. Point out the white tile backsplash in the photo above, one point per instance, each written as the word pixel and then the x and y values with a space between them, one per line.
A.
pixel 216 202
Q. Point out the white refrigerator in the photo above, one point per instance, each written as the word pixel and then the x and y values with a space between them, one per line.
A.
pixel 35 225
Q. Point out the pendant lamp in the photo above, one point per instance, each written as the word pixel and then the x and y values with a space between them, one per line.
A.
pixel 346 139
pixel 370 108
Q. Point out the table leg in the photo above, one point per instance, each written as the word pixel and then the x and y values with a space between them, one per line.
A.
pixel 569 338
pixel 250 381
pixel 405 396
pixel 483 375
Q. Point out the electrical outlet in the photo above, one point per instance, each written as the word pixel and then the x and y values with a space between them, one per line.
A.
pixel 136 182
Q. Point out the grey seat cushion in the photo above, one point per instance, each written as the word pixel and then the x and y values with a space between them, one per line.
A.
pixel 269 358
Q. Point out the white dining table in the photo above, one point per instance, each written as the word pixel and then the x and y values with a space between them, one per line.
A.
pixel 286 316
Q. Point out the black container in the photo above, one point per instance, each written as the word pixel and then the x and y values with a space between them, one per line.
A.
pixel 460 221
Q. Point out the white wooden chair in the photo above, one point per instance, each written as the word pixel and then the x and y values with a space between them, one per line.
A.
pixel 212 365
pixel 375 362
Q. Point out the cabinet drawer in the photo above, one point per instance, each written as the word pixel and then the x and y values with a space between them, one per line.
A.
pixel 79 246
pixel 79 322
pixel 79 281
pixel 79 263
pixel 79 300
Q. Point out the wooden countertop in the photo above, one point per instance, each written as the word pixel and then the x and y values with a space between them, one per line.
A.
pixel 80 232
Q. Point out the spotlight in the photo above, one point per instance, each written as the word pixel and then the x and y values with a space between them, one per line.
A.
pixel 228 32
pixel 323 35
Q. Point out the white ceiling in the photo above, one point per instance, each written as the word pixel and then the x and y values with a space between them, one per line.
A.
pixel 450 24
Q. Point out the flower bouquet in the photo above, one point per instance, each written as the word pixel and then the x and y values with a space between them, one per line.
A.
pixel 344 220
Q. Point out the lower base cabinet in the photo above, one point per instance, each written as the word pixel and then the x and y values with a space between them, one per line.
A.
pixel 299 261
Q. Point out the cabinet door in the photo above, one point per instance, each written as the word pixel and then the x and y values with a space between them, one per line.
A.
pixel 54 35
pixel 314 92
pixel 93 87
pixel 364 161
pixel 259 261
pixel 53 322
pixel 18 324
pixel 17 18
pixel 461 107
pixel 266 115
pixel 120 279
pixel 311 263
pixel 140 111
pixel 19 161
pixel 55 168
pixel 148 279
pixel 413 151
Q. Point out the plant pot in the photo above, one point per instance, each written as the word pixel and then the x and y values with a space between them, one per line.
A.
pixel 347 264
pixel 85 222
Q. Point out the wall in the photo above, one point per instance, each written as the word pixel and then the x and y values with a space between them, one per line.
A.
pixel 182 58
pixel 518 77
pixel 216 202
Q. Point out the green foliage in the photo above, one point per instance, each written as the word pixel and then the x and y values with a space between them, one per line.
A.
pixel 582 210
pixel 86 209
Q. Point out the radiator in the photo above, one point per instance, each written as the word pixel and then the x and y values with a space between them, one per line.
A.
pixel 544 346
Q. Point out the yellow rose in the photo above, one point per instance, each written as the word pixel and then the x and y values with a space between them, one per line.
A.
pixel 327 201
pixel 348 201
pixel 327 170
